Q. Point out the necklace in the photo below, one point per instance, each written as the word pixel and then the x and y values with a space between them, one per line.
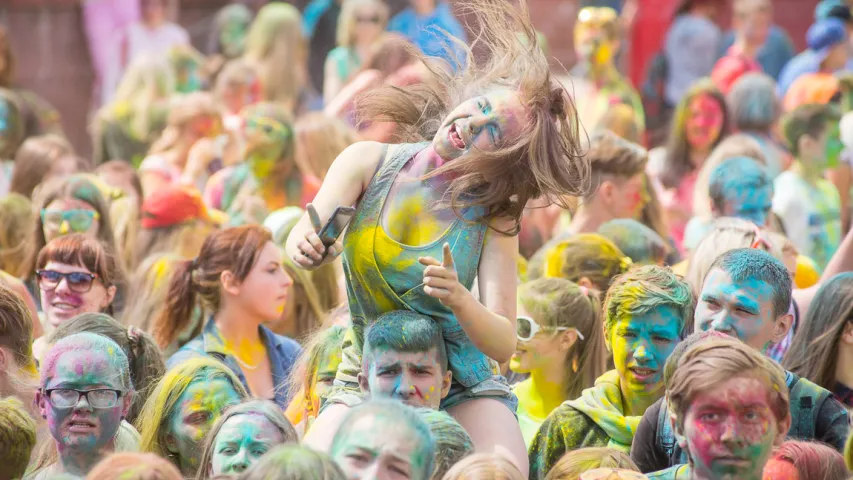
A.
pixel 244 364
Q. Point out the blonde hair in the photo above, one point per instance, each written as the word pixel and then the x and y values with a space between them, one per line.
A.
pixel 147 80
pixel 134 466
pixel 16 219
pixel 544 161
pixel 727 234
pixel 347 19
pixel 707 364
pixel 738 145
pixel 183 110
pixel 124 214
pixel 276 47
pixel 556 302
pixel 161 404
pixel 236 72
pixel 319 140
pixel 574 463
pixel 586 255
pixel 484 466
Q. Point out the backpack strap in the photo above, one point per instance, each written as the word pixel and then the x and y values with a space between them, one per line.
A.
pixel 806 401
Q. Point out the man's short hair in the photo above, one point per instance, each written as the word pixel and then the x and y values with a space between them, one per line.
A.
pixel 735 175
pixel 404 331
pixel 644 289
pixel 810 119
pixel 709 363
pixel 753 264
pixel 611 155
pixel 397 415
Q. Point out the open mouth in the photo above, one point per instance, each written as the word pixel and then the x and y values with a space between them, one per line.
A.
pixel 64 307
pixel 81 425
pixel 456 138
pixel 642 374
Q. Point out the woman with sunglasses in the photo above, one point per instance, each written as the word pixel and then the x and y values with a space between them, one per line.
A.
pixel 560 344
pixel 359 28
pixel 76 274
pixel 269 177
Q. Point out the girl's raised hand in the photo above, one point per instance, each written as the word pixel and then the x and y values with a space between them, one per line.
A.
pixel 441 280
pixel 312 251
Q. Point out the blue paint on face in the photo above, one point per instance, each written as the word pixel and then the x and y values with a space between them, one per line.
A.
pixel 740 309
pixel 242 440
pixel 641 344
pixel 752 204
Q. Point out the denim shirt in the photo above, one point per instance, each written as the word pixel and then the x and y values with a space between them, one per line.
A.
pixel 282 352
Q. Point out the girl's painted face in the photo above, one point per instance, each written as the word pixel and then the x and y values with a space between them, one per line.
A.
pixel 484 123
pixel 267 135
pixel 633 197
pixel 731 430
pixel 198 408
pixel 265 289
pixel 241 441
pixel 70 296
pixel 69 215
pixel 374 447
pixel 232 37
pixel 207 126
pixel 324 379
pixel 540 352
pixel 593 46
pixel 89 424
pixel 641 344
pixel 704 122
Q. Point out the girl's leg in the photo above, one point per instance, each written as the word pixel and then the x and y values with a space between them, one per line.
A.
pixel 493 428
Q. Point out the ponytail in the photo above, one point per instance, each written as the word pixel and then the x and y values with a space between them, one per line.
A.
pixel 180 302
pixel 590 354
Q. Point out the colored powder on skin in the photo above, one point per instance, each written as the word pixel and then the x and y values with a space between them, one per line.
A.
pixel 242 438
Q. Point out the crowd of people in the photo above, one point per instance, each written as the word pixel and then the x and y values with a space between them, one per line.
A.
pixel 346 244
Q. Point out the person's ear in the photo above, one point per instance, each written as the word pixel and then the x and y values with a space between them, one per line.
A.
pixel 41 402
pixel 805 144
pixel 781 327
pixel 585 282
pixel 127 401
pixel 445 383
pixel 4 361
pixel 363 383
pixel 169 441
pixel 846 336
pixel 606 191
pixel 111 295
pixel 229 283
pixel 567 339
pixel 784 425
pixel 676 430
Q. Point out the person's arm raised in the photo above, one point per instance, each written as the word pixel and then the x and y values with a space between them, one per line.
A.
pixel 346 180
pixel 491 324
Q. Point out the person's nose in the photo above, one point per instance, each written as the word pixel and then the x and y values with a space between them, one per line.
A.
pixel 722 323
pixel 64 227
pixel 241 462
pixel 478 122
pixel 642 353
pixel 83 404
pixel 62 286
pixel 405 387
pixel 731 435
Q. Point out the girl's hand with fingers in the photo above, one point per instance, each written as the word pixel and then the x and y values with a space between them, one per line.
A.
pixel 312 251
pixel 441 280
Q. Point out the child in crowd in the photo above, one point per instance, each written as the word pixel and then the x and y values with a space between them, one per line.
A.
pixel 808 205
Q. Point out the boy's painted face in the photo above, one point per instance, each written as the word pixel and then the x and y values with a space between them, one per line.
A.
pixel 89 424
pixel 704 122
pixel 483 123
pixel 64 302
pixel 739 309
pixel 542 352
pixel 199 407
pixel 730 430
pixel 752 204
pixel 414 378
pixel 641 344
pixel 833 145
pixel 241 441
pixel 232 37
pixel 376 448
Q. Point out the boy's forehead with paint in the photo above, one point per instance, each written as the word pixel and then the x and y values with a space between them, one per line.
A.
pixel 80 363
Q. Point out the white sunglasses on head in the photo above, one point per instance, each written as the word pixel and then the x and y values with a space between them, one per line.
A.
pixel 526 328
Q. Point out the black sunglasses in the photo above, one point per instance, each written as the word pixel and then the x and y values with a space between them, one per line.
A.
pixel 78 282
pixel 373 19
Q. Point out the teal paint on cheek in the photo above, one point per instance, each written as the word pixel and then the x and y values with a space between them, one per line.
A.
pixel 242 440
pixel 197 410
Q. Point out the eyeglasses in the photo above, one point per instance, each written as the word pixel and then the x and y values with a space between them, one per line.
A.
pixel 374 19
pixel 526 328
pixel 77 220
pixel 69 398
pixel 78 282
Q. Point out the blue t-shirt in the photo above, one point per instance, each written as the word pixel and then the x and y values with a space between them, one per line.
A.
pixel 430 32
